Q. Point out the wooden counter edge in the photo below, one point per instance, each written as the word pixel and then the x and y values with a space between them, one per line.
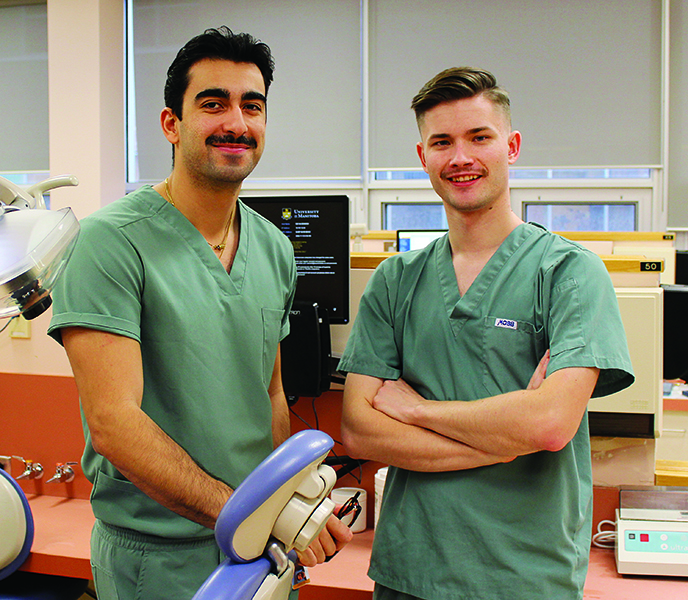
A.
pixel 614 263
pixel 593 236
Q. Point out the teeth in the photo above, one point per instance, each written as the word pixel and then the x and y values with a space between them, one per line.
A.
pixel 464 178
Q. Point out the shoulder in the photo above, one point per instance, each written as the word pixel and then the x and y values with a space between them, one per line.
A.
pixel 120 227
pixel 143 203
pixel 559 253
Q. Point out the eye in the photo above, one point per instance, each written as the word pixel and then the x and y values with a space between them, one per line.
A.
pixel 253 107
pixel 212 105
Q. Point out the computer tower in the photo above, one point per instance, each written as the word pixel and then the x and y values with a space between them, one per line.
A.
pixel 306 352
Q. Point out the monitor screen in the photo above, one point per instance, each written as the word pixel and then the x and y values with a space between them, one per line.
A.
pixel 681 267
pixel 675 331
pixel 415 239
pixel 318 227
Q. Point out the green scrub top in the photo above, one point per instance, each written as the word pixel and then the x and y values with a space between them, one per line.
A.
pixel 208 339
pixel 519 530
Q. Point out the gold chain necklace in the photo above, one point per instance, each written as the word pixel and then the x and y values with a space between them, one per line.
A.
pixel 217 247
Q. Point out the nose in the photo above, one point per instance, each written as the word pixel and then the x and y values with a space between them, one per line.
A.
pixel 234 122
pixel 460 156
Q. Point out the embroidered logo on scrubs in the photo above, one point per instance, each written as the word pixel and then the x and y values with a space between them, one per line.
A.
pixel 506 323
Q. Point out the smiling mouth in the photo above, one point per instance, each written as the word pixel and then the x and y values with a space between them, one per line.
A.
pixel 463 178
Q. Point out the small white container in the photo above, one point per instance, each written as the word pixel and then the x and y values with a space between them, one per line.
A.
pixel 380 478
pixel 341 495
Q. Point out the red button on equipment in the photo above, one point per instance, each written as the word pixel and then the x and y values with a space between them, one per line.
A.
pixel 644 537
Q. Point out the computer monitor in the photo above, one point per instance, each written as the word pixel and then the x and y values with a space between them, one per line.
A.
pixel 318 227
pixel 682 267
pixel 675 331
pixel 415 239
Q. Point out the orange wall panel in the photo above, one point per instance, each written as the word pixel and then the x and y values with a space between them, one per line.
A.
pixel 40 421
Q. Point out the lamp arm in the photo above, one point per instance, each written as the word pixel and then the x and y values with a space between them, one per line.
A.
pixel 13 195
pixel 38 189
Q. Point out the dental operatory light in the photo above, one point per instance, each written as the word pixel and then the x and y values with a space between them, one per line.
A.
pixel 35 245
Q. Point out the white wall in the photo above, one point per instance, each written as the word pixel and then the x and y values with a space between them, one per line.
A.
pixel 86 116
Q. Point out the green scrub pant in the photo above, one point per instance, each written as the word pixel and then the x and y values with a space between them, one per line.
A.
pixel 384 593
pixel 127 565
pixel 131 566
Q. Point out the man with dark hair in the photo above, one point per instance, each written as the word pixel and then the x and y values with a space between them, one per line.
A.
pixel 171 311
pixel 470 366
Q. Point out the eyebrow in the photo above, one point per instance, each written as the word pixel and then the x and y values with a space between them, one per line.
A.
pixel 224 93
pixel 480 129
pixel 475 130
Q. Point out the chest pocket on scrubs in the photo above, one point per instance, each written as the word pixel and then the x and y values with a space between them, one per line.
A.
pixel 511 350
pixel 272 325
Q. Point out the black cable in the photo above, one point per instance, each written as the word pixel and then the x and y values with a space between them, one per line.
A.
pixel 355 464
pixel 7 324
pixel 315 412
pixel 348 464
pixel 300 418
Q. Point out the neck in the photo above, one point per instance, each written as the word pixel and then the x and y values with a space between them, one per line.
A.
pixel 211 211
pixel 480 232
pixel 207 207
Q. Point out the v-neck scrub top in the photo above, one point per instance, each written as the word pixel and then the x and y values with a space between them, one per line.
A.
pixel 208 339
pixel 519 530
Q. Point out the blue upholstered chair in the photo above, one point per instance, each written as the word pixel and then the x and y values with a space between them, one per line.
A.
pixel 16 538
pixel 281 506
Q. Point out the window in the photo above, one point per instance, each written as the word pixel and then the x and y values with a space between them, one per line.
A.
pixel 582 216
pixel 24 93
pixel 314 111
pixel 339 113
pixel 405 215
pixel 559 199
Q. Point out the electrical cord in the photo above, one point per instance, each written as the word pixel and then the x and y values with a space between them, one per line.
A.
pixel 348 465
pixel 605 538
pixel 7 324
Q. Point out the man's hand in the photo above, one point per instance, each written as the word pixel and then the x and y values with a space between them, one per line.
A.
pixel 331 539
pixel 398 400
pixel 540 373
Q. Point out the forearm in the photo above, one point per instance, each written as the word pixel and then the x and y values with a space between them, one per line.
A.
pixel 515 423
pixel 507 423
pixel 370 434
pixel 108 373
pixel 162 469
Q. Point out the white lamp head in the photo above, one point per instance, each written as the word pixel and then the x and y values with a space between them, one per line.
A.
pixel 35 246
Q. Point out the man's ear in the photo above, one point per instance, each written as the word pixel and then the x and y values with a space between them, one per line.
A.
pixel 514 146
pixel 421 155
pixel 169 123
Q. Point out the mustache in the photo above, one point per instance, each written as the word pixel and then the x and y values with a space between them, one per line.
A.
pixel 230 139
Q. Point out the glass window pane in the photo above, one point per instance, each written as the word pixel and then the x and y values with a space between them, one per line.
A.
pixel 314 109
pixel 24 92
pixel 582 217
pixel 414 216
pixel 556 105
